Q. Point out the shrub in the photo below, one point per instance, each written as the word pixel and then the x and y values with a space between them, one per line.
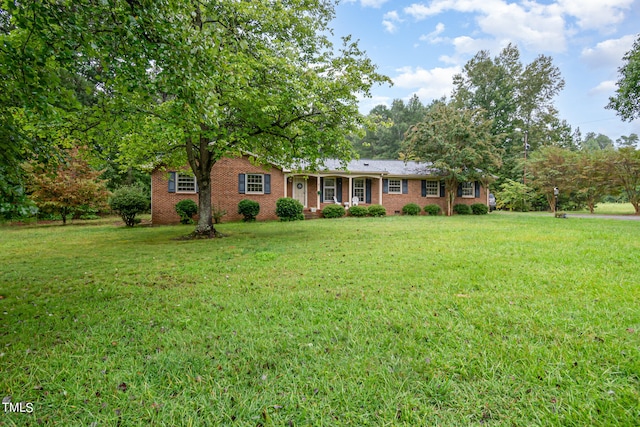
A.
pixel 377 210
pixel 289 209
pixel 432 209
pixel 333 211
pixel 217 213
pixel 128 201
pixel 479 209
pixel 249 209
pixel 462 209
pixel 358 211
pixel 186 209
pixel 411 209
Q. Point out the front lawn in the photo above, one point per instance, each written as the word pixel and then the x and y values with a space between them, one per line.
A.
pixel 511 320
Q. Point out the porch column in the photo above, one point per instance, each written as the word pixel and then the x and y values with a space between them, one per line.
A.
pixel 318 192
pixel 380 190
pixel 285 185
pixel 350 190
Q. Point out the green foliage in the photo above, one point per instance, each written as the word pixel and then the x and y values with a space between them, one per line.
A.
pixel 462 209
pixel 514 196
pixel 377 210
pixel 457 142
pixel 217 214
pixel 358 211
pixel 333 211
pixel 479 209
pixel 288 209
pixel 129 201
pixel 432 209
pixel 186 209
pixel 626 101
pixel 411 209
pixel 249 209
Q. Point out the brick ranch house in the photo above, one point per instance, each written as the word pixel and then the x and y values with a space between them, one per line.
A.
pixel 390 183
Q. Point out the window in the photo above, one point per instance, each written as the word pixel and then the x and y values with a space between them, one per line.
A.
pixel 433 188
pixel 358 189
pixel 255 183
pixel 329 189
pixel 395 186
pixel 186 183
pixel 468 189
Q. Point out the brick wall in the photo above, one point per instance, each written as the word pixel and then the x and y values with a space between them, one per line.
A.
pixel 224 192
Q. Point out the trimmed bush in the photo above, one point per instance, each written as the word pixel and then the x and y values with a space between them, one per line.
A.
pixel 411 209
pixel 377 210
pixel 128 201
pixel 186 209
pixel 462 209
pixel 249 209
pixel 333 211
pixel 358 211
pixel 479 209
pixel 289 209
pixel 432 210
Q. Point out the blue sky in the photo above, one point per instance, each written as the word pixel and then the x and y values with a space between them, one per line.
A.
pixel 420 45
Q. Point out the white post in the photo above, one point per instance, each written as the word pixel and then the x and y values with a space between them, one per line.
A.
pixel 350 190
pixel 285 185
pixel 380 190
pixel 318 191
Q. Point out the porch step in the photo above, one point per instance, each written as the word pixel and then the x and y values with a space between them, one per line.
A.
pixel 311 215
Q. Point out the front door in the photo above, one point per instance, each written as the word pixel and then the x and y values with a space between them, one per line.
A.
pixel 300 190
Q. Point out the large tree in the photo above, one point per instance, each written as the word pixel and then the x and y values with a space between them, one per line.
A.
pixel 198 80
pixel 518 99
pixel 457 143
pixel 626 101
pixel 625 174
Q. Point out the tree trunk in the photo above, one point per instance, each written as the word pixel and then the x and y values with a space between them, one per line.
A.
pixel 636 206
pixel 205 227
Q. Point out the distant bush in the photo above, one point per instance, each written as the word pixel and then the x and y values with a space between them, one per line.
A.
pixel 289 209
pixel 377 210
pixel 462 209
pixel 249 209
pixel 432 210
pixel 217 212
pixel 479 209
pixel 128 201
pixel 333 211
pixel 411 209
pixel 186 209
pixel 358 211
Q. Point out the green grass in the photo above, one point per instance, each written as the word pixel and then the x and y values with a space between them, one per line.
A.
pixel 613 209
pixel 498 320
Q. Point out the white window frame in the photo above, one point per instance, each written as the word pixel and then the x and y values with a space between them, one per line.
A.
pixel 397 184
pixel 254 183
pixel 326 187
pixel 435 188
pixel 185 183
pixel 359 189
pixel 468 190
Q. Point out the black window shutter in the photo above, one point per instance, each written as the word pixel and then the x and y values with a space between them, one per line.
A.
pixel 321 190
pixel 424 188
pixel 172 182
pixel 459 193
pixel 267 183
pixel 477 190
pixel 405 186
pixel 442 188
pixel 339 189
pixel 385 185
pixel 368 191
pixel 241 183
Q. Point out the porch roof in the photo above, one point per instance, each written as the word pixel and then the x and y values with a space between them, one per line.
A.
pixel 378 167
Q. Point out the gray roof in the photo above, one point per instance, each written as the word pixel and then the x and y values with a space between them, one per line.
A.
pixel 383 167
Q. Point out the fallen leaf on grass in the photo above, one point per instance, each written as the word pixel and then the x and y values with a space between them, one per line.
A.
pixel 122 387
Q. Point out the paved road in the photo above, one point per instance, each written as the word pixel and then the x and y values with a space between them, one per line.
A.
pixel 627 217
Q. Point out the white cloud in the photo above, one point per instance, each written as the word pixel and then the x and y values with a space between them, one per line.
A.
pixel 432 37
pixel 596 14
pixel 609 53
pixel 607 87
pixel 430 84
pixel 389 21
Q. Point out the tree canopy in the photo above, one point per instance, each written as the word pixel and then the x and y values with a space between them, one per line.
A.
pixel 626 101
pixel 192 81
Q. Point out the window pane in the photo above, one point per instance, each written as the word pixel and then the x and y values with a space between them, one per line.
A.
pixel 467 189
pixel 395 186
pixel 254 183
pixel 433 188
pixel 186 183
pixel 358 189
